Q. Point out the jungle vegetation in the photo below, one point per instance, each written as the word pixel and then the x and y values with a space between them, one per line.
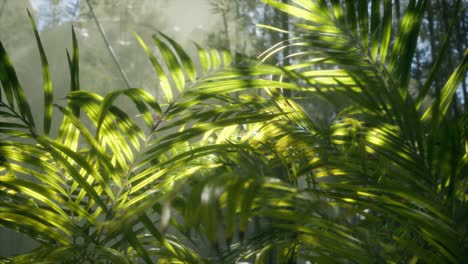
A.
pixel 228 167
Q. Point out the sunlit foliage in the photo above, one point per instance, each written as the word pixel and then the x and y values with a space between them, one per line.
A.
pixel 225 168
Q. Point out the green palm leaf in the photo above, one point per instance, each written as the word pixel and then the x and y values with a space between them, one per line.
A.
pixel 48 95
pixel 248 177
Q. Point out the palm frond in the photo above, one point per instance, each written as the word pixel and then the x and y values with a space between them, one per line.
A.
pixel 214 164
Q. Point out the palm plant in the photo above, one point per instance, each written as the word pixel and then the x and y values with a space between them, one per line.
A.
pixel 215 173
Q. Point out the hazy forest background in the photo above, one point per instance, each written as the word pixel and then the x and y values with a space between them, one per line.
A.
pixel 220 24
pixel 212 23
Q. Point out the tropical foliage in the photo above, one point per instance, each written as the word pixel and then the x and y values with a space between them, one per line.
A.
pixel 226 168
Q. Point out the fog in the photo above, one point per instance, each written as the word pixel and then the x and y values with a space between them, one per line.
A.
pixel 184 20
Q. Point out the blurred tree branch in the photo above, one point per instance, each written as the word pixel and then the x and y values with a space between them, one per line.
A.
pixel 109 47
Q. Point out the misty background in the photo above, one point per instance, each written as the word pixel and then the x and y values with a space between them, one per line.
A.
pixel 183 20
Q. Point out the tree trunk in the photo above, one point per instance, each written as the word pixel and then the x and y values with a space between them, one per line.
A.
pixel 450 60
pixel 461 45
pixel 2 7
pixel 226 29
pixel 397 10
pixel 285 40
